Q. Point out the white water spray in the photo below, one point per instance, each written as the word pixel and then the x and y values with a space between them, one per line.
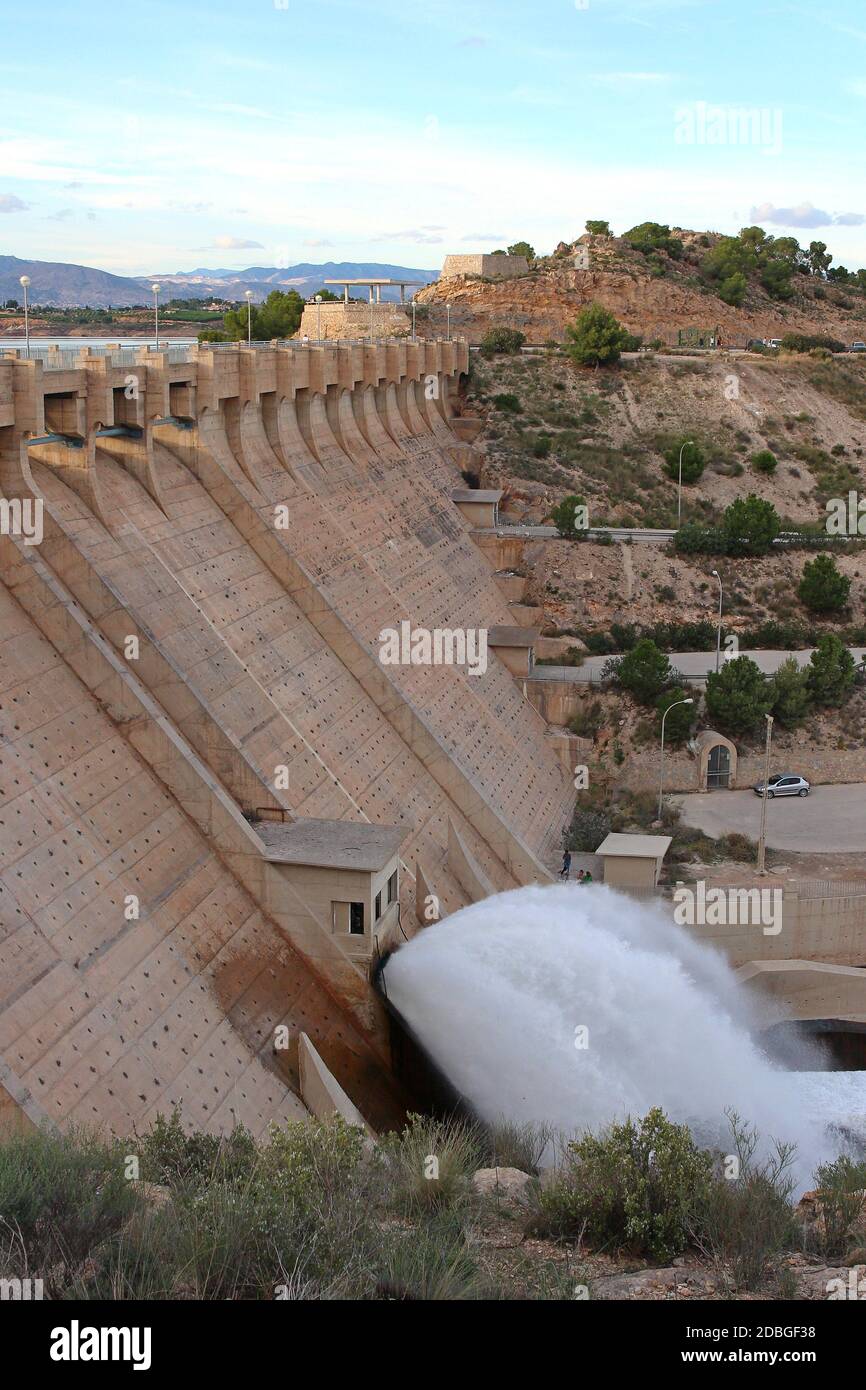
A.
pixel 498 992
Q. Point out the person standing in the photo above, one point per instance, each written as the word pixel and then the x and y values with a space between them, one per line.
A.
pixel 566 864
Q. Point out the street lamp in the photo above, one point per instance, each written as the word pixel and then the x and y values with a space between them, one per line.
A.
pixel 762 838
pixel 688 701
pixel 24 282
pixel 413 320
pixel 719 626
pixel 155 287
pixel 248 296
pixel 684 444
pixel 448 321
pixel 318 318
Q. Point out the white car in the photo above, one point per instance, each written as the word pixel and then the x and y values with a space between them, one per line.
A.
pixel 773 342
pixel 784 784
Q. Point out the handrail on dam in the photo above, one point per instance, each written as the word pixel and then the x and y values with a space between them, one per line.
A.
pixel 66 359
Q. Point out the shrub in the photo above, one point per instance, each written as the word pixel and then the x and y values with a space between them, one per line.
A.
pixel 61 1197
pixel 694 539
pixel 632 1186
pixel 746 1222
pixel 738 696
pixel 588 720
pixel 502 340
pixel 432 1162
pixel 513 1145
pixel 588 829
pixel 764 461
pixel 694 461
pixel 839 1189
pixel 596 338
pixel 822 588
pixel 831 670
pixel 507 401
pixel 807 342
pixel 170 1155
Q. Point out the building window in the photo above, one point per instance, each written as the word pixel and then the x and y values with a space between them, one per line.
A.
pixel 392 888
pixel 356 919
pixel 378 906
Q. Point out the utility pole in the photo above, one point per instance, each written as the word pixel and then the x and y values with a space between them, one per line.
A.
pixel 762 838
pixel 719 625
pixel 248 296
pixel 155 288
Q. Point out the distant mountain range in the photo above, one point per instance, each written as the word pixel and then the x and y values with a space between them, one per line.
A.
pixel 63 286
pixel 306 278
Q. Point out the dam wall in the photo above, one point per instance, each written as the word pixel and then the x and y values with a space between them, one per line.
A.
pixel 194 644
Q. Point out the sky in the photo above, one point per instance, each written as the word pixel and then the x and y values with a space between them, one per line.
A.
pixel 161 137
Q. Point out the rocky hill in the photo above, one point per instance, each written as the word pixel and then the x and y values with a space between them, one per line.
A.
pixel 653 295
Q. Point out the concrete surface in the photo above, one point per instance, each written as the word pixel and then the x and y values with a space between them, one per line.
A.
pixel 831 818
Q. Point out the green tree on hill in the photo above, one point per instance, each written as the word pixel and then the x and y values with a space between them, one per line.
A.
pixel 831 670
pixel 566 516
pixel 644 671
pixel 522 248
pixel 750 525
pixel 738 696
pixel 598 227
pixel 693 460
pixel 596 338
pixel 822 588
pixel 791 697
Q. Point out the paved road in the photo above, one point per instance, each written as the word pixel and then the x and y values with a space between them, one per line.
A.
pixel 694 665
pixel 546 533
pixel 831 818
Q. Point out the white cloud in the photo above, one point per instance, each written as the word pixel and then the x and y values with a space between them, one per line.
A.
pixel 231 243
pixel 10 203
pixel 805 215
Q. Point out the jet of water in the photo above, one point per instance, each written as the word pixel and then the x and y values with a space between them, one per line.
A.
pixel 576 1005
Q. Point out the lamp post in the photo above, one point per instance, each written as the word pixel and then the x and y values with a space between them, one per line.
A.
pixel 448 322
pixel 719 625
pixel 688 701
pixel 155 288
pixel 248 296
pixel 413 320
pixel 762 838
pixel 684 444
pixel 318 318
pixel 24 282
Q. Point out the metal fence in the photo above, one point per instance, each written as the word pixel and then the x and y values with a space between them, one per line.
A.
pixel 811 888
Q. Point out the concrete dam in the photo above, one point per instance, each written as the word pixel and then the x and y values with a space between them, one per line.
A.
pixel 218 805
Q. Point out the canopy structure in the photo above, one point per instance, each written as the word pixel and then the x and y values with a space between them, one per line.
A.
pixel 376 284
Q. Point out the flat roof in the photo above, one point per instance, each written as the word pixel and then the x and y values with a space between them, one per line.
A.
pixel 512 636
pixel 330 844
pixel 635 846
pixel 477 494
pixel 375 282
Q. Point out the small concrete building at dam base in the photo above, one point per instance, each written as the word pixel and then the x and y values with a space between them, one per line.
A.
pixel 219 808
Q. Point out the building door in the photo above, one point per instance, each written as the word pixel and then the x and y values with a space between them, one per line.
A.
pixel 719 768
